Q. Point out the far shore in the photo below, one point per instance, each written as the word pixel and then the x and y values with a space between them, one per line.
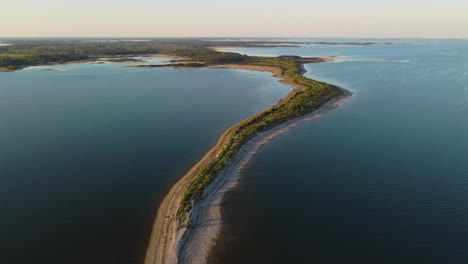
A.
pixel 222 47
pixel 168 243
pixel 274 70
pixel 4 69
pixel 100 60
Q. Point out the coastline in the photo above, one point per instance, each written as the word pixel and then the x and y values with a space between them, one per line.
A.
pixel 274 70
pixel 223 48
pixel 196 243
pixel 4 69
pixel 168 243
pixel 100 60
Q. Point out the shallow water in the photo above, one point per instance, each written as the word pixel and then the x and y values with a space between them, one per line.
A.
pixel 88 151
pixel 381 179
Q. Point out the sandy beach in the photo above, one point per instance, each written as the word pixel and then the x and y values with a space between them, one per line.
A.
pixel 276 71
pixel 197 241
pixel 223 48
pixel 168 244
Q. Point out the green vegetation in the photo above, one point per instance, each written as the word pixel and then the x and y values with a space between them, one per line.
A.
pixel 25 53
pixel 30 52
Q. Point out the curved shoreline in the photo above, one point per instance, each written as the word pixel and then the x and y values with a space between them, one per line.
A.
pixel 196 243
pixel 168 243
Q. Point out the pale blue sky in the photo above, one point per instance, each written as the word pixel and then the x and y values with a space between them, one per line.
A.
pixel 249 18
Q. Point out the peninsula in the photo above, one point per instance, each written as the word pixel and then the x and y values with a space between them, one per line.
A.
pixel 179 234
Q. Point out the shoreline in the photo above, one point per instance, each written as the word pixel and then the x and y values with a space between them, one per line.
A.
pixel 99 60
pixel 196 243
pixel 168 243
pixel 223 48
pixel 274 70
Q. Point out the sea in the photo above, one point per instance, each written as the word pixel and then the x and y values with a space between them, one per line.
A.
pixel 381 179
pixel 88 151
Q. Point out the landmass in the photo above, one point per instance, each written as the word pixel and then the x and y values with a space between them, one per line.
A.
pixel 180 233
pixel 20 53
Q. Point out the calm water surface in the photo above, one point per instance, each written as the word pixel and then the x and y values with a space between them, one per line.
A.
pixel 382 179
pixel 88 151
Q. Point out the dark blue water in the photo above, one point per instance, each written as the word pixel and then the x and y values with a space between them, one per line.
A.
pixel 382 179
pixel 88 151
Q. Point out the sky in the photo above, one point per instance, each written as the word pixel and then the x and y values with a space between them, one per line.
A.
pixel 235 18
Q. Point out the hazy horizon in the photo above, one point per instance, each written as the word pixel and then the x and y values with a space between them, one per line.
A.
pixel 214 38
pixel 433 19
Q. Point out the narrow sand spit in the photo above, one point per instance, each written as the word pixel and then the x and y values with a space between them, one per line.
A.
pixel 197 241
pixel 168 244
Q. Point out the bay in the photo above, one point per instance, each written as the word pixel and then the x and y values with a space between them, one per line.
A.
pixel 88 152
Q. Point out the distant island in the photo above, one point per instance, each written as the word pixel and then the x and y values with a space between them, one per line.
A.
pixel 178 231
pixel 20 53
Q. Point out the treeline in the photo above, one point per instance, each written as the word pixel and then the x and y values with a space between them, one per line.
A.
pixel 17 62
pixel 23 53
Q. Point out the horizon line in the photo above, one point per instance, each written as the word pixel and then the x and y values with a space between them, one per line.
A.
pixel 223 37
